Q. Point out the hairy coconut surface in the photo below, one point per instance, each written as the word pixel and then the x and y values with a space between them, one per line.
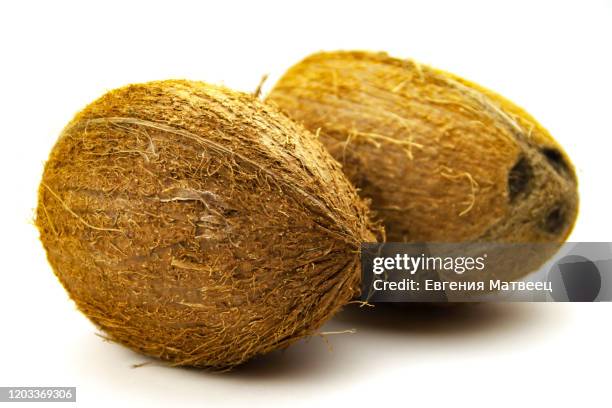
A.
pixel 442 159
pixel 198 225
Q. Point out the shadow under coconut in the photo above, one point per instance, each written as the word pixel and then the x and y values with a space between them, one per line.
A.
pixel 395 325
pixel 305 358
pixel 436 319
pixel 381 332
pixel 109 361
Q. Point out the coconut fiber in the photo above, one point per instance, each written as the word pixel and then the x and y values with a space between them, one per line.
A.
pixel 197 225
pixel 442 159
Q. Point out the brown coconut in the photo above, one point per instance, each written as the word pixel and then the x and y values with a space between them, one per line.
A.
pixel 441 159
pixel 197 225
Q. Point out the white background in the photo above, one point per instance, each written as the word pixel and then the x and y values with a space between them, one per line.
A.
pixel 553 58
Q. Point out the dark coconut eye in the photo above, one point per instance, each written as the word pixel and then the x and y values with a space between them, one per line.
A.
pixel 555 220
pixel 555 158
pixel 519 178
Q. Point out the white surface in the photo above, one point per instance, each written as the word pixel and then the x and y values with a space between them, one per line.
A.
pixel 553 58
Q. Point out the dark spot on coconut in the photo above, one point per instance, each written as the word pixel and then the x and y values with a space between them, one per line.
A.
pixel 519 178
pixel 555 220
pixel 230 212
pixel 363 181
pixel 556 160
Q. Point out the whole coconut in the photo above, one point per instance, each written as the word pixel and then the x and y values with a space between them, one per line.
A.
pixel 195 224
pixel 442 159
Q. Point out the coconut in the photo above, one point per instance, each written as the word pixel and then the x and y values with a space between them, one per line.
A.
pixel 195 224
pixel 440 158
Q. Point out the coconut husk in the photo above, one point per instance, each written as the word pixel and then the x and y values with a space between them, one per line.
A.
pixel 440 158
pixel 195 224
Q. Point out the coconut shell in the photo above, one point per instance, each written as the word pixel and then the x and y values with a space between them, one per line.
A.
pixel 196 224
pixel 440 158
